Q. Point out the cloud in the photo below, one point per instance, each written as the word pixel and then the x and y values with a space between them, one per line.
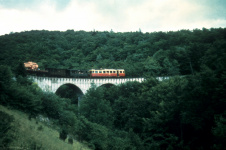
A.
pixel 214 8
pixel 104 15
pixel 33 4
pixel 78 16
pixel 165 15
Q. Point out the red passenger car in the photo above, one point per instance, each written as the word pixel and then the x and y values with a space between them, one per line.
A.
pixel 107 73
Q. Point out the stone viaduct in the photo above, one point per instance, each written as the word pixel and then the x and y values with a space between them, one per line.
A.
pixel 51 84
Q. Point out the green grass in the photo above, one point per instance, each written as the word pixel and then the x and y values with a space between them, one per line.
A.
pixel 32 135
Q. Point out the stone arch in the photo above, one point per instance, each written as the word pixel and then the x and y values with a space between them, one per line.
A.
pixel 107 85
pixel 69 90
pixel 72 86
pixel 107 89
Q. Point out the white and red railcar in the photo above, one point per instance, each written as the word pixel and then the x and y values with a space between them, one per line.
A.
pixel 95 73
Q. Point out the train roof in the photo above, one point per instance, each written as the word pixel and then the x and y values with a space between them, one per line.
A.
pixel 78 70
pixel 106 69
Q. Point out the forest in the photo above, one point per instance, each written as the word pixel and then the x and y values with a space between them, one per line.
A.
pixel 156 54
pixel 186 111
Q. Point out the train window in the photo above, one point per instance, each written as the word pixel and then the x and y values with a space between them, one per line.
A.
pixel 96 71
pixel 120 71
pixel 107 71
pixel 113 71
pixel 103 71
pixel 110 71
pixel 100 71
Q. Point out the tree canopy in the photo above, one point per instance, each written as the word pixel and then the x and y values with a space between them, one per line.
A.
pixel 157 53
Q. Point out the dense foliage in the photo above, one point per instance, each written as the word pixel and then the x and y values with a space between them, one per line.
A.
pixel 158 53
pixel 183 112
pixel 179 113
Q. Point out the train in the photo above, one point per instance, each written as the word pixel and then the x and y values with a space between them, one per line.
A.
pixel 72 73
pixel 32 69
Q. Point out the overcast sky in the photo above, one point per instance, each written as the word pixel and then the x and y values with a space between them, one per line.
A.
pixel 106 15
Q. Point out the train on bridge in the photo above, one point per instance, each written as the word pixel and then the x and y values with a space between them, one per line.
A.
pixel 32 69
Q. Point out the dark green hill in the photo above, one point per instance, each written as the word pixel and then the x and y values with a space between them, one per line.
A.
pixel 158 53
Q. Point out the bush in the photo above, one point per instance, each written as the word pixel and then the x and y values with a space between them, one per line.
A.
pixel 6 136
pixel 63 134
pixel 40 128
pixel 70 140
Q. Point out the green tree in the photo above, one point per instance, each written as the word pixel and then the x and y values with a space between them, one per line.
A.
pixel 5 75
pixel 219 132
pixel 6 82
pixel 170 67
pixel 96 108
pixel 95 134
pixel 161 126
pixel 152 67
pixel 20 70
pixel 52 105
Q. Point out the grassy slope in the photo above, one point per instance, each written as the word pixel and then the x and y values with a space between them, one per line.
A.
pixel 28 134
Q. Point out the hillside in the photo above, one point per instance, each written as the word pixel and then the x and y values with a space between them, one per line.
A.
pixel 157 54
pixel 32 134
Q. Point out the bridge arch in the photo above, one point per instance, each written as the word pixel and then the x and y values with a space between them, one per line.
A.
pixel 71 91
pixel 107 85
pixel 71 86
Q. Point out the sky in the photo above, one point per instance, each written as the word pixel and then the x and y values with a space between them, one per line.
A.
pixel 111 15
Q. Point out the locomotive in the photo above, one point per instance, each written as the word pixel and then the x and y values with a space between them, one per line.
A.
pixel 32 69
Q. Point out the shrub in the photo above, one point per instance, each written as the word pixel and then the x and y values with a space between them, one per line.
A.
pixel 70 140
pixel 63 134
pixel 6 137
